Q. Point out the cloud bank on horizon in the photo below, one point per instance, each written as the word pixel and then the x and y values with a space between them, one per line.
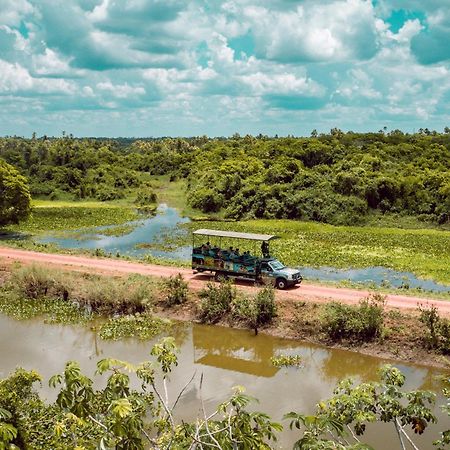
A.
pixel 172 67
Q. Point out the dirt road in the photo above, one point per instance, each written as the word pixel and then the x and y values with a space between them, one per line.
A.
pixel 304 292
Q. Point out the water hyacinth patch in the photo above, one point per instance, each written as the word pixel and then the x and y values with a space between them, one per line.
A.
pixel 286 361
pixel 141 326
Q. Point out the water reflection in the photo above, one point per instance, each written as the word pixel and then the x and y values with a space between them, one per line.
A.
pixel 244 353
pixel 143 240
pixel 379 276
pixel 224 357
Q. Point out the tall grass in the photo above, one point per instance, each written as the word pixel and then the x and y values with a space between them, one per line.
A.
pixel 134 294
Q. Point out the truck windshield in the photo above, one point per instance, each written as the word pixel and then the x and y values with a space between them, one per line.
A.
pixel 276 265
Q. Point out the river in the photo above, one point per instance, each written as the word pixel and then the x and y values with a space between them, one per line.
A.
pixel 226 358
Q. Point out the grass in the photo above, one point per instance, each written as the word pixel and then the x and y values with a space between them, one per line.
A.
pixel 62 216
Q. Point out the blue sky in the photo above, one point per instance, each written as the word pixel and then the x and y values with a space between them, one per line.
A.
pixel 183 68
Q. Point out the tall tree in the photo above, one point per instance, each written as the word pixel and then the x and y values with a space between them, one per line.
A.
pixel 15 196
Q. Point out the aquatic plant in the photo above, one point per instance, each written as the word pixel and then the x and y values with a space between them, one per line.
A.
pixel 141 326
pixel 286 361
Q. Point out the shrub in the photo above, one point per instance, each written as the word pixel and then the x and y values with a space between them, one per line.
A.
pixel 438 329
pixel 105 193
pixel 363 322
pixel 34 282
pixel 430 318
pixel 176 290
pixel 266 309
pixel 145 196
pixel 256 311
pixel 130 296
pixel 216 301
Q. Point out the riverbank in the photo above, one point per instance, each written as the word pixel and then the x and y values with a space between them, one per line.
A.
pixel 403 337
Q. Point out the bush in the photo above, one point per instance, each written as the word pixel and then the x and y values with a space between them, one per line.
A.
pixel 106 193
pixel 257 311
pixel 363 322
pixel 216 301
pixel 176 290
pixel 34 282
pixel 130 296
pixel 266 309
pixel 207 200
pixel 438 329
pixel 145 197
pixel 103 295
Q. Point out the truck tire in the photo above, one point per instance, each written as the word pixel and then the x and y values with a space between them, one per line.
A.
pixel 220 276
pixel 281 283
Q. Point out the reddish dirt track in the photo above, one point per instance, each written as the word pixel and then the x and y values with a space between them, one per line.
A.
pixel 304 292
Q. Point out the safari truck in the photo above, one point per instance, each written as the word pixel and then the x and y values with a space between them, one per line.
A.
pixel 212 252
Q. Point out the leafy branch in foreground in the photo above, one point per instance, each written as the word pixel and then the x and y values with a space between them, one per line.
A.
pixel 122 417
pixel 341 421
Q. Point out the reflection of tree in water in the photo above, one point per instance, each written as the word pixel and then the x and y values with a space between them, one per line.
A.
pixel 341 364
pixel 236 350
pixel 179 331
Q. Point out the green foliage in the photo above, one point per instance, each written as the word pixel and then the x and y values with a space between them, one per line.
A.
pixel 363 322
pixel 175 289
pixel 131 295
pixel 345 415
pixel 15 196
pixel 75 216
pixel 216 301
pixel 336 178
pixel 107 193
pixel 230 427
pixel 438 329
pixel 53 310
pixel 255 311
pixel 286 361
pixel 145 196
pixel 141 326
pixel 126 418
pixel 63 296
pixel 266 309
pixel 444 441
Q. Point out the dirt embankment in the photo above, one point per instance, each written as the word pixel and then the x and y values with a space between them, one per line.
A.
pixel 304 292
pixel 298 309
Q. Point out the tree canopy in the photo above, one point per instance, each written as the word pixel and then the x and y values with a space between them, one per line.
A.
pixel 338 178
pixel 15 196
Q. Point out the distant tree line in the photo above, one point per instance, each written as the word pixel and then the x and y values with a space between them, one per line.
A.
pixel 337 178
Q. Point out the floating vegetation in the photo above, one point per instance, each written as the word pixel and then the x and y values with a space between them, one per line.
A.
pixel 60 218
pixel 286 361
pixel 141 326
pixel 52 310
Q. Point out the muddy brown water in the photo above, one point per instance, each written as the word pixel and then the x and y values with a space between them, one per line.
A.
pixel 226 358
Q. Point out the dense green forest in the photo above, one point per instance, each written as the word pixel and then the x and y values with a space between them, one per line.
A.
pixel 338 178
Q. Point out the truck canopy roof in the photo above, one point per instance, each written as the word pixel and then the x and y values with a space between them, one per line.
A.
pixel 235 235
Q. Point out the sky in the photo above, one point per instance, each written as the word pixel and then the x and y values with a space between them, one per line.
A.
pixel 142 68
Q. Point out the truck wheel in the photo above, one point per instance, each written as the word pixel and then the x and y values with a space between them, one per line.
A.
pixel 219 276
pixel 281 283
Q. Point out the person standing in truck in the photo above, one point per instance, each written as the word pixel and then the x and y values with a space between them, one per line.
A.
pixel 265 249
